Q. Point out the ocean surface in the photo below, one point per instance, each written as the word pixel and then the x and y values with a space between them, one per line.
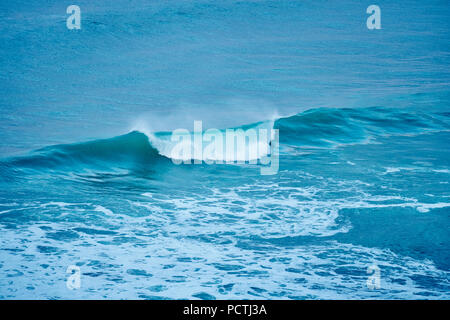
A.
pixel 364 159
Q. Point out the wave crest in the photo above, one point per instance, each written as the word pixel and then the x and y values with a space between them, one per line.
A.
pixel 318 128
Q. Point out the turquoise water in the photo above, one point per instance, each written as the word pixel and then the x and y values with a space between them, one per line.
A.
pixel 364 130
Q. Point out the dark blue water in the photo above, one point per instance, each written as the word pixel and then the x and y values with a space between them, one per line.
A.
pixel 364 131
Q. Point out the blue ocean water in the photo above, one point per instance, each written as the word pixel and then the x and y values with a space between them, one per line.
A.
pixel 364 131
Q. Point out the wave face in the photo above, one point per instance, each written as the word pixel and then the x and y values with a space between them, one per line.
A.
pixel 133 148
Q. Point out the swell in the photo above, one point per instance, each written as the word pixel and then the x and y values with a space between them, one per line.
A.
pixel 317 128
pixel 325 127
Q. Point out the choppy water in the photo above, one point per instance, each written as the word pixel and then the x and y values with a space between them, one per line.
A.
pixel 364 128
